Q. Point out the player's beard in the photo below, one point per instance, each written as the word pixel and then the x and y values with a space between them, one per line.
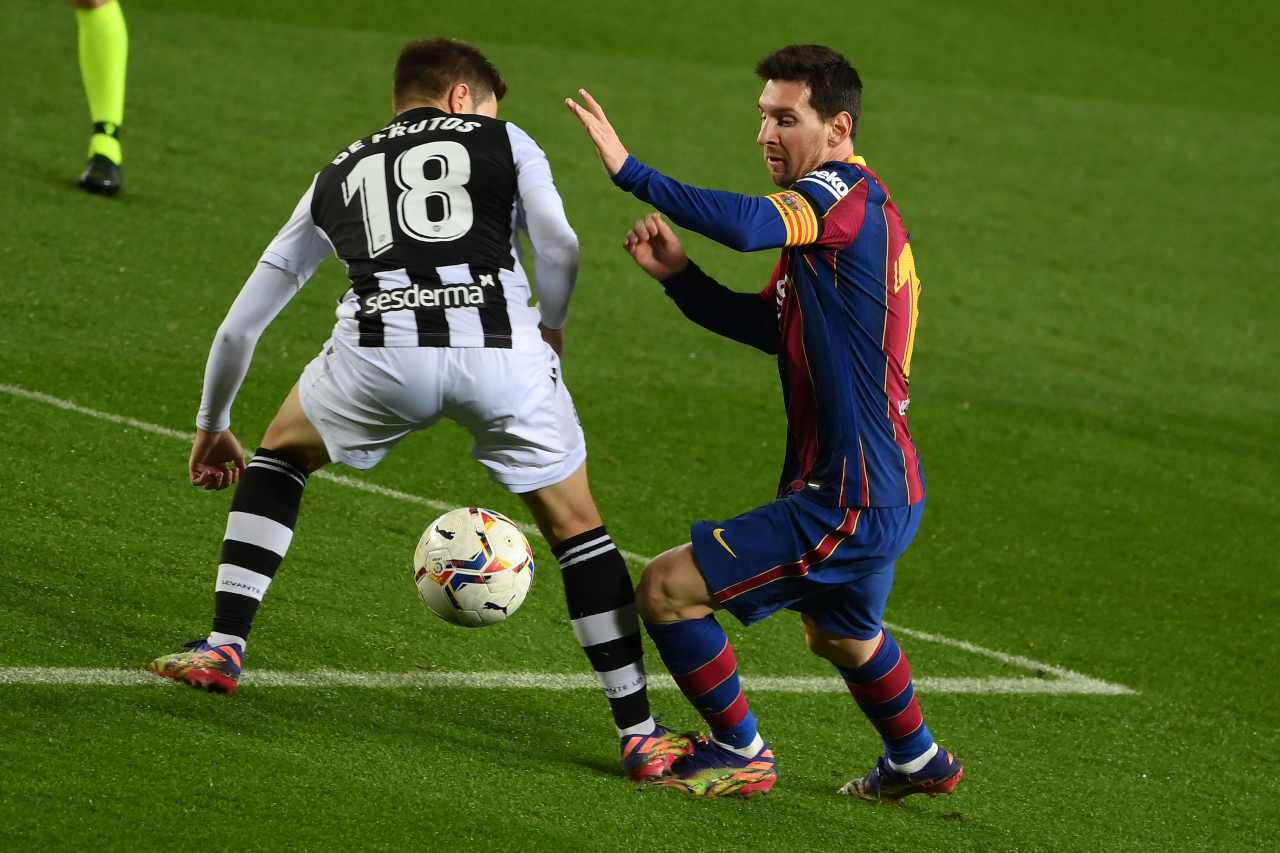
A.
pixel 788 168
pixel 779 173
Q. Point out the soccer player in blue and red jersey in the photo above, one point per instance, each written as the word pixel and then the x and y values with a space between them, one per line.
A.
pixel 840 314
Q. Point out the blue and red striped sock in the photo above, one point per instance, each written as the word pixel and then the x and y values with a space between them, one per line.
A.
pixel 701 659
pixel 883 690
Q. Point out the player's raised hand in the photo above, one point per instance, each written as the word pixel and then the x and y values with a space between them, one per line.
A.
pixel 655 247
pixel 603 136
pixel 217 460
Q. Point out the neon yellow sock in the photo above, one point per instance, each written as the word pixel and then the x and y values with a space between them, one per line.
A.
pixel 104 51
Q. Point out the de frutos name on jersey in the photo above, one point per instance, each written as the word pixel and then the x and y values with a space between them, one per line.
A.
pixel 403 128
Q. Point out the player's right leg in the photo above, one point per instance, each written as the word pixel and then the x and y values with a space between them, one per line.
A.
pixel 103 49
pixel 602 610
pixel 264 511
pixel 527 435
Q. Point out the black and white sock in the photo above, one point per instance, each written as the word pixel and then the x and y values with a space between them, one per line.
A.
pixel 602 606
pixel 259 530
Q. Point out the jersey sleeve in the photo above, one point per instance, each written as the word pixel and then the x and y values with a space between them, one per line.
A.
pixel 300 246
pixel 813 211
pixel 541 214
pixel 742 222
pixel 264 295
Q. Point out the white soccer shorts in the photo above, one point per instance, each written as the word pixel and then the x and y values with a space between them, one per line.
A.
pixel 364 400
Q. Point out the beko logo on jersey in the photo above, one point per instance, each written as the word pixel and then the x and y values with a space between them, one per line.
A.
pixel 397 129
pixel 829 181
pixel 416 296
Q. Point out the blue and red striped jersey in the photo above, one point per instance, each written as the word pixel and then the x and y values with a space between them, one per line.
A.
pixel 840 311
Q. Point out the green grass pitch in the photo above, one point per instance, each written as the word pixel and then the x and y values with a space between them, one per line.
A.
pixel 1093 194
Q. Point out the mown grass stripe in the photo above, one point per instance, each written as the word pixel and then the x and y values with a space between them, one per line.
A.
pixel 1068 681
pixel 1017 661
pixel 341 479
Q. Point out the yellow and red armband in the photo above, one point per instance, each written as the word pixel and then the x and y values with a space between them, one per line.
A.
pixel 798 217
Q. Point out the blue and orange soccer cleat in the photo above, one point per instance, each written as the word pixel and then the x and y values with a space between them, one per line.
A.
pixel 212 668
pixel 646 757
pixel 710 770
pixel 884 784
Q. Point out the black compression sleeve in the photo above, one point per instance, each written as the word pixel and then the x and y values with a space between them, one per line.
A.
pixel 743 317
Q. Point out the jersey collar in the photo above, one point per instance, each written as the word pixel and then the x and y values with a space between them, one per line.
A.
pixel 416 111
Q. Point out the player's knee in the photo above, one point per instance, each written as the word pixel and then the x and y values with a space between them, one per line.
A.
pixel 823 644
pixel 847 652
pixel 672 589
pixel 659 596
pixel 652 599
pixel 818 643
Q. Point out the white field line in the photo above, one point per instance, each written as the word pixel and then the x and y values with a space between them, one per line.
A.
pixel 1067 681
pixel 1065 676
pixel 85 677
pixel 342 479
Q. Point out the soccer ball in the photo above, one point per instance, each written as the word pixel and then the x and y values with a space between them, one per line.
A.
pixel 473 567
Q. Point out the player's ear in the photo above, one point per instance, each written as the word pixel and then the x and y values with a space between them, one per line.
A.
pixel 839 128
pixel 460 98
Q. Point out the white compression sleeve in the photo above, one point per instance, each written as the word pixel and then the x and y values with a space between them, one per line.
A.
pixel 265 293
pixel 555 246
pixel 555 253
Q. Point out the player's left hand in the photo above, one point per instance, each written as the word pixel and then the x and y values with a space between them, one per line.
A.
pixel 608 145
pixel 217 460
pixel 655 248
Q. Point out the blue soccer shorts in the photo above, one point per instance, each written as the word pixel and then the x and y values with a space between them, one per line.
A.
pixel 833 564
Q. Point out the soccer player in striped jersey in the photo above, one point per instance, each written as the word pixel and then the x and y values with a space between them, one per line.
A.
pixel 839 312
pixel 424 214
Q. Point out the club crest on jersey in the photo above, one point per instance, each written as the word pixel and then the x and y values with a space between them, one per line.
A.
pixel 418 296
pixel 792 201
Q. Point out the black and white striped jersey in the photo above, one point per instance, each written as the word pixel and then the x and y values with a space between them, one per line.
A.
pixel 424 213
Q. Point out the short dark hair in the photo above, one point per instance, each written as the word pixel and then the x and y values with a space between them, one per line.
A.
pixel 428 68
pixel 834 84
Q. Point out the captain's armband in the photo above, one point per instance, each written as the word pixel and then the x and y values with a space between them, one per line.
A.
pixel 798 216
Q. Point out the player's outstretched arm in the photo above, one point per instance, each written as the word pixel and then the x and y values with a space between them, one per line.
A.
pixel 289 261
pixel 742 222
pixel 743 317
